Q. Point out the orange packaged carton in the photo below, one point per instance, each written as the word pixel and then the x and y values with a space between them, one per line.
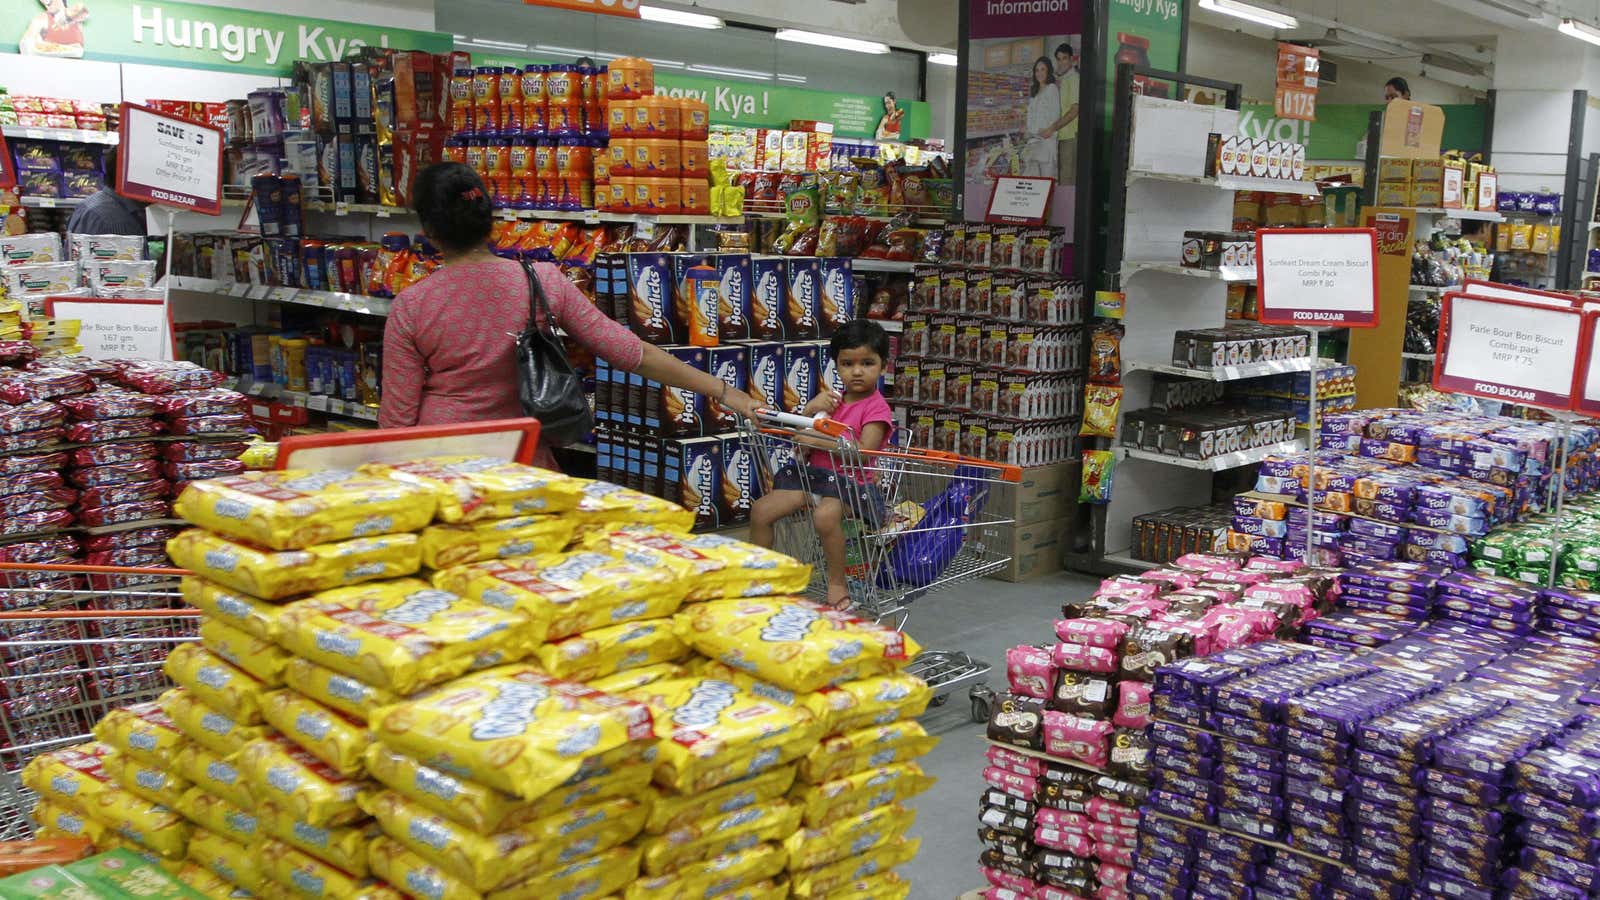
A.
pixel 22 856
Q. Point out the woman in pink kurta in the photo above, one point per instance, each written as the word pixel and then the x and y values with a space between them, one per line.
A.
pixel 449 346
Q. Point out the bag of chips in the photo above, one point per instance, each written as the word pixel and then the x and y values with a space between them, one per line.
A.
pixel 802 646
pixel 728 833
pixel 351 696
pixel 298 784
pixel 858 793
pixel 672 811
pixel 295 509
pixel 273 575
pixel 605 651
pixel 214 730
pixel 713 731
pixel 1105 353
pixel 153 783
pixel 253 617
pixel 1098 468
pixel 304 874
pixel 812 847
pixel 444 546
pixel 230 859
pixel 866 748
pixel 716 567
pixel 219 816
pixel 403 635
pixel 258 657
pixel 472 488
pixel 143 731
pixel 486 862
pixel 569 593
pixel 325 734
pixel 629 679
pixel 213 774
pixel 215 682
pixel 512 728
pixel 605 506
pixel 1102 404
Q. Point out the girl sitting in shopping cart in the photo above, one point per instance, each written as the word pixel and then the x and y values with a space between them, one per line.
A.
pixel 859 350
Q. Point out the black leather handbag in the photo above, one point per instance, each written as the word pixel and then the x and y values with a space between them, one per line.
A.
pixel 550 390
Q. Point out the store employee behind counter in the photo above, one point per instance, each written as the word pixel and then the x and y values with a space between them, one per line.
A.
pixel 449 344
pixel 106 211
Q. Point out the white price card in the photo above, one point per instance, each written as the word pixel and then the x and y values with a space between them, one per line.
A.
pixel 117 329
pixel 1020 201
pixel 169 160
pixel 317 402
pixel 1317 276
pixel 1510 350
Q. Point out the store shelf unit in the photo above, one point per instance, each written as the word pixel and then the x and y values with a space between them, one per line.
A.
pixel 73 135
pixel 1223 373
pixel 340 302
pixel 1232 274
pixel 1232 182
pixel 1215 463
pixel 50 202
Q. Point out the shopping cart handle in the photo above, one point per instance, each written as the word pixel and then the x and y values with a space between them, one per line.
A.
pixel 819 423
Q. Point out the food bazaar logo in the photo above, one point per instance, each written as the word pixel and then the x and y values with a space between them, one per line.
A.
pixel 510 712
pixel 705 705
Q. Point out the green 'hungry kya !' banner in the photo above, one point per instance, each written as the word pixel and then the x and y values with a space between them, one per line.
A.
pixel 193 36
pixel 768 105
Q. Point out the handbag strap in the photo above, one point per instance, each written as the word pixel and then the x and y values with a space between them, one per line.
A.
pixel 537 302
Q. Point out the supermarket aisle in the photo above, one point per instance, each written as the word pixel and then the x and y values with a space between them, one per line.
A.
pixel 984 619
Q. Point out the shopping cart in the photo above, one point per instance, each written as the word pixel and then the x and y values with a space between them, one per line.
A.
pixel 76 641
pixel 915 522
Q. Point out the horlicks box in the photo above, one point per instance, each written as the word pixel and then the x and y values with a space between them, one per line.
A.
pixel 829 375
pixel 679 412
pixel 768 292
pixel 731 363
pixel 766 373
pixel 733 272
pixel 802 367
pixel 692 477
pixel 838 293
pixel 739 480
pixel 681 304
pixel 802 312
pixel 650 307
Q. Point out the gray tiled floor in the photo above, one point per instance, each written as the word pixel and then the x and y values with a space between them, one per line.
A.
pixel 983 619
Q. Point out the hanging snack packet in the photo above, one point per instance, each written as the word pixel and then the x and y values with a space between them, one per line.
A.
pixel 253 617
pixel 629 679
pixel 803 646
pixel 258 657
pixel 472 488
pixel 219 816
pixel 859 793
pixel 207 727
pixel 351 696
pixel 716 567
pixel 329 736
pixel 294 509
pixel 142 731
pixel 403 635
pixel 713 731
pixel 728 833
pixel 213 774
pixel 444 546
pixel 569 593
pixel 606 506
pixel 1101 405
pixel 513 728
pixel 274 575
pixel 1098 468
pixel 845 838
pixel 605 651
pixel 153 783
pixel 215 682
pixel 1105 353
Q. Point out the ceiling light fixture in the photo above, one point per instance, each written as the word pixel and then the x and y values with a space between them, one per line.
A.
pixel 498 45
pixel 798 36
pixel 942 59
pixel 678 17
pixel 1583 31
pixel 1251 13
pixel 731 73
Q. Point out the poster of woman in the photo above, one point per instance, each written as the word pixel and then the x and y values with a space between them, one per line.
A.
pixel 893 115
pixel 57 31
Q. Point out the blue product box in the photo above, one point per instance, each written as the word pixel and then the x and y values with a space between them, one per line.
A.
pixel 768 297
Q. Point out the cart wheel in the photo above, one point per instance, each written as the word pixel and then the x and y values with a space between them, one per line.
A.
pixel 939 700
pixel 980 710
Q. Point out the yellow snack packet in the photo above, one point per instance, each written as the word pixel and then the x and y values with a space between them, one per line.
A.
pixel 329 736
pixel 717 567
pixel 444 546
pixel 156 784
pixel 277 574
pixel 608 870
pixel 343 847
pixel 256 618
pixel 859 792
pixel 603 874
pixel 512 728
pixel 219 817
pixel 865 748
pixel 160 829
pixel 473 488
pixel 761 890
pixel 215 682
pixel 809 848
pixel 143 731
pixel 880 700
pixel 257 657
pixel 671 811
pixel 795 644
pixel 208 883
pixel 72 776
pixel 299 784
pixel 714 731
pixel 487 862
pixel 394 864
pixel 304 874
pixel 631 679
pixel 293 509
pixel 226 858
pixel 205 726
pixel 488 811
pixel 835 879
pixel 569 593
pixel 728 833
pixel 712 877
pixel 211 772
pixel 883 886
pixel 351 696
pixel 605 506
pixel 59 821
pixel 605 651
pixel 403 635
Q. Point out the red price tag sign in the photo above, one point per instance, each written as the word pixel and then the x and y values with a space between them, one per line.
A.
pixel 1514 349
pixel 170 160
pixel 1296 103
pixel 1317 277
pixel 1298 66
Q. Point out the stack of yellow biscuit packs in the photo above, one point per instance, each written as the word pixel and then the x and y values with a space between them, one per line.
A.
pixel 461 678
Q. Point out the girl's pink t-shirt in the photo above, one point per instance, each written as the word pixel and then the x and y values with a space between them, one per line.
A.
pixel 857 415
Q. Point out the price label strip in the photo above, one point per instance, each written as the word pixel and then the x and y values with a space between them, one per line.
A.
pixel 1514 350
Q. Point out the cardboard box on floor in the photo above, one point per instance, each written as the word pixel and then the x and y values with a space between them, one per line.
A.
pixel 1045 493
pixel 1035 548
